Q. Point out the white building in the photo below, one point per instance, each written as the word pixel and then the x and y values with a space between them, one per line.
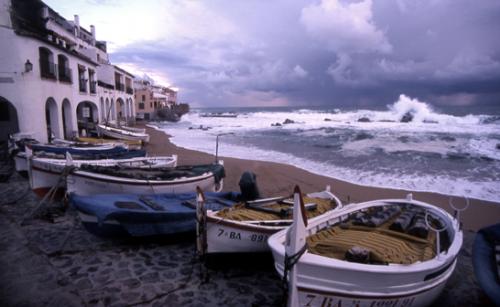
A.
pixel 55 77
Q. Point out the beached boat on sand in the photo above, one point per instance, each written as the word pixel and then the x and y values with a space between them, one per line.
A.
pixel 90 179
pixel 144 215
pixel 122 134
pixel 246 227
pixel 78 152
pixel 45 173
pixel 486 261
pixel 390 252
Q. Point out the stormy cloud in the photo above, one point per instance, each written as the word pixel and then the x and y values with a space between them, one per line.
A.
pixel 325 52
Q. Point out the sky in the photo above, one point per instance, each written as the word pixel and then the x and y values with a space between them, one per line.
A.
pixel 341 53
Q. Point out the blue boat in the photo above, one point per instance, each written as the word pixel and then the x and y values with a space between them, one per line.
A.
pixel 144 215
pixel 486 261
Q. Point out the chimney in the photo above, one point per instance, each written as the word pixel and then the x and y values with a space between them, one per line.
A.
pixel 77 25
pixel 45 12
pixel 92 31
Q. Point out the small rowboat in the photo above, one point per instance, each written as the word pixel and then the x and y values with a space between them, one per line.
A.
pixel 144 215
pixel 45 173
pixel 246 227
pixel 390 252
pixel 91 179
pixel 122 134
pixel 486 261
pixel 80 153
pixel 129 144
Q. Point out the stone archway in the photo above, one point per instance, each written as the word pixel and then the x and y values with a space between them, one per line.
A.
pixel 120 108
pixel 67 118
pixel 113 110
pixel 87 115
pixel 52 119
pixel 9 123
pixel 103 111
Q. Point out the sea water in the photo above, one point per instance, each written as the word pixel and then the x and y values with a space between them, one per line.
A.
pixel 456 154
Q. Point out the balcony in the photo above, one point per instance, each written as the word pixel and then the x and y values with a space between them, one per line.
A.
pixel 83 85
pixel 92 87
pixel 120 86
pixel 48 70
pixel 64 74
pixel 130 90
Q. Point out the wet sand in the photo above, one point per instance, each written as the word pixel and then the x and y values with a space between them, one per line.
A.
pixel 276 179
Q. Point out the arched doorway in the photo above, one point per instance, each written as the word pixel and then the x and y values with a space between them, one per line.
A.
pixel 113 110
pixel 120 106
pixel 103 111
pixel 87 116
pixel 67 119
pixel 8 119
pixel 52 119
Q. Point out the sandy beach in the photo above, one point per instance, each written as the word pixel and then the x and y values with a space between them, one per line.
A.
pixel 276 179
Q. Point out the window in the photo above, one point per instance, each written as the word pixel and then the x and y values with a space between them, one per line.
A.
pixel 141 105
pixel 47 66
pixel 81 79
pixel 150 104
pixel 63 68
pixel 143 98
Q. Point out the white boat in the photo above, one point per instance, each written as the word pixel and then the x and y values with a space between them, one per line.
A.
pixel 245 228
pixel 127 128
pixel 89 180
pixel 122 134
pixel 394 259
pixel 45 173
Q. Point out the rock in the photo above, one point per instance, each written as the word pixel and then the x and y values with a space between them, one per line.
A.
pixel 327 120
pixel 276 125
pixel 408 117
pixel 428 121
pixel 498 146
pixel 288 121
pixel 364 120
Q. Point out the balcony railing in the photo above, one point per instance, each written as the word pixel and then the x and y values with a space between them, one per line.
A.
pixel 48 70
pixel 64 74
pixel 130 90
pixel 83 85
pixel 92 86
pixel 120 86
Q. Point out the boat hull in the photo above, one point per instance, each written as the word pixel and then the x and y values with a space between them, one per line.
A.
pixel 46 173
pixel 21 164
pixel 331 281
pixel 229 236
pixel 232 237
pixel 84 183
pixel 418 296
pixel 139 215
pixel 122 134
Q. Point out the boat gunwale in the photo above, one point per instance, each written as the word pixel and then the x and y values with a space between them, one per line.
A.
pixel 248 225
pixel 276 242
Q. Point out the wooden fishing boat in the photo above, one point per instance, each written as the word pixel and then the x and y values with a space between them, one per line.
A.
pixel 486 261
pixel 90 179
pixel 80 152
pixel 390 252
pixel 246 227
pixel 46 173
pixel 127 143
pixel 144 215
pixel 121 133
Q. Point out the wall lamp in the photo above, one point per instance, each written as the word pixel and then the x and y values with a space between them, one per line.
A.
pixel 28 66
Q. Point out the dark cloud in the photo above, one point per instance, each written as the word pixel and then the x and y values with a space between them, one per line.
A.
pixel 341 53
